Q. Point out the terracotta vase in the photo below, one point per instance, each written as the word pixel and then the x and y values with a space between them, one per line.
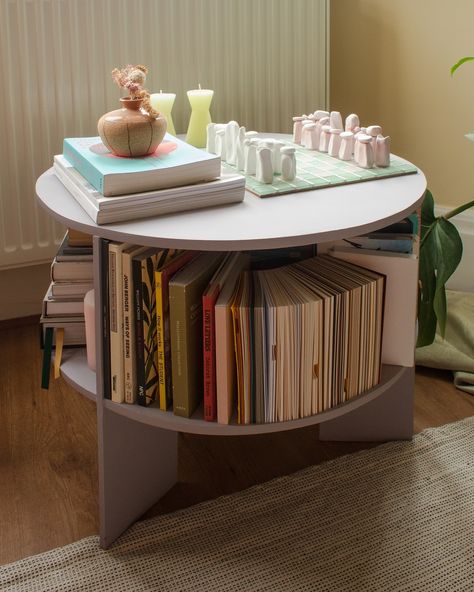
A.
pixel 129 131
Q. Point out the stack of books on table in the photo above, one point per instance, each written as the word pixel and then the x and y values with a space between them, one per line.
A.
pixel 245 337
pixel 71 279
pixel 177 177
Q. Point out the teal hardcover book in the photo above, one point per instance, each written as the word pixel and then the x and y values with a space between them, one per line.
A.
pixel 173 164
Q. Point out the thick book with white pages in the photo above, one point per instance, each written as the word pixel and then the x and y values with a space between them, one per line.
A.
pixel 230 188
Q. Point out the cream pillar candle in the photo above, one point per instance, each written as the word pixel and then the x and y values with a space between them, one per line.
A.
pixel 200 100
pixel 163 103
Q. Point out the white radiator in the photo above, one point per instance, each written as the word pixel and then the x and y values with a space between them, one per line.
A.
pixel 265 59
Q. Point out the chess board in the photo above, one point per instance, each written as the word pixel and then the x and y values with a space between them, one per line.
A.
pixel 316 170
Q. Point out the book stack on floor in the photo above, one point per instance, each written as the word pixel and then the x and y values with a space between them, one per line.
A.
pixel 239 337
pixel 177 177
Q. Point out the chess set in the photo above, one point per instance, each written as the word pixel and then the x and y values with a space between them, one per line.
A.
pixel 321 154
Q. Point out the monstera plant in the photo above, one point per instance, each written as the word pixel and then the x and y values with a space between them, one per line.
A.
pixel 440 254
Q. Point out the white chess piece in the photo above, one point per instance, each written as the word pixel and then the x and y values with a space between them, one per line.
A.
pixel 382 151
pixel 264 172
pixel 357 144
pixel 211 138
pixel 347 146
pixel 288 163
pixel 231 133
pixel 374 131
pixel 324 138
pixel 303 132
pixel 319 127
pixel 319 114
pixel 365 153
pixel 239 150
pixel 250 156
pixel 335 120
pixel 297 129
pixel 311 136
pixel 220 145
pixel 277 146
pixel 250 135
pixel 334 141
pixel 352 122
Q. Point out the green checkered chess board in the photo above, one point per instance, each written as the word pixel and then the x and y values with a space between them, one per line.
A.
pixel 315 170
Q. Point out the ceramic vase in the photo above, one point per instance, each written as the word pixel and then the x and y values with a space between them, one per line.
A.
pixel 129 131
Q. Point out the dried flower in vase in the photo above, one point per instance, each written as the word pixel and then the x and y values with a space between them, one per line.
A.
pixel 133 78
pixel 136 129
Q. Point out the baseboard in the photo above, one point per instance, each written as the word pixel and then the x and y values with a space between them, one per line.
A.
pixel 463 278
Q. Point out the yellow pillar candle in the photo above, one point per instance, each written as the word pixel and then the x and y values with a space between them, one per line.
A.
pixel 163 103
pixel 200 100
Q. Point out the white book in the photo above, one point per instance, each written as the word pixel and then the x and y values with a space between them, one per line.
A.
pixel 230 188
pixel 116 321
pixel 399 324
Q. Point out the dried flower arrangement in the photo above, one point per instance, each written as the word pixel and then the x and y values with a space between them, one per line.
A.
pixel 133 78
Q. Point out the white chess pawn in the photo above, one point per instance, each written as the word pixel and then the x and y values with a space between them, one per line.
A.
pixel 276 159
pixel 250 156
pixel 239 150
pixel 303 132
pixel 352 122
pixel 319 127
pixel 311 136
pixel 231 133
pixel 347 146
pixel 211 138
pixel 335 120
pixel 264 172
pixel 220 145
pixel 365 152
pixel 250 135
pixel 334 141
pixel 357 144
pixel 382 151
pixel 320 114
pixel 288 163
pixel 374 131
pixel 324 138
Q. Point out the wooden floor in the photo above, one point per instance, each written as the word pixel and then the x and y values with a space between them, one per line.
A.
pixel 48 449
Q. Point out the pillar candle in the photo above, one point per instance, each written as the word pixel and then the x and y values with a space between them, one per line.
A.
pixel 200 100
pixel 163 103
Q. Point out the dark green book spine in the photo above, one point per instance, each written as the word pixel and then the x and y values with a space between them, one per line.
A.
pixel 104 288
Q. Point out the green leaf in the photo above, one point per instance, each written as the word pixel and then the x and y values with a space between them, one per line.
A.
pixel 440 254
pixel 460 63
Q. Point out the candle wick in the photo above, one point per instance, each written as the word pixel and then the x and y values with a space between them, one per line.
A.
pixel 199 86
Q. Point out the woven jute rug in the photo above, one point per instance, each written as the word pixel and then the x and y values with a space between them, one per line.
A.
pixel 399 517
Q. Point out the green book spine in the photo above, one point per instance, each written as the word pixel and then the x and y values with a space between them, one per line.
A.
pixel 179 345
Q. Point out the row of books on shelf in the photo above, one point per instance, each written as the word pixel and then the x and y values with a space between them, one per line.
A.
pixel 177 177
pixel 248 337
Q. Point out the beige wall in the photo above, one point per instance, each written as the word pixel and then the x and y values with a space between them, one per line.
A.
pixel 390 62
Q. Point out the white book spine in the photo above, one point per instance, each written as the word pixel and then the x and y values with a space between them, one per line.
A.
pixel 116 323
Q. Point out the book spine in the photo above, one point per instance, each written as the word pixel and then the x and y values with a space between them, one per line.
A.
pixel 178 350
pixel 209 352
pixel 130 383
pixel 151 378
pixel 160 339
pixel 116 321
pixel 104 289
pixel 139 342
pixel 81 164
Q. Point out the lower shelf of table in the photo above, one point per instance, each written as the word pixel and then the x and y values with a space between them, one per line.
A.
pixel 76 372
